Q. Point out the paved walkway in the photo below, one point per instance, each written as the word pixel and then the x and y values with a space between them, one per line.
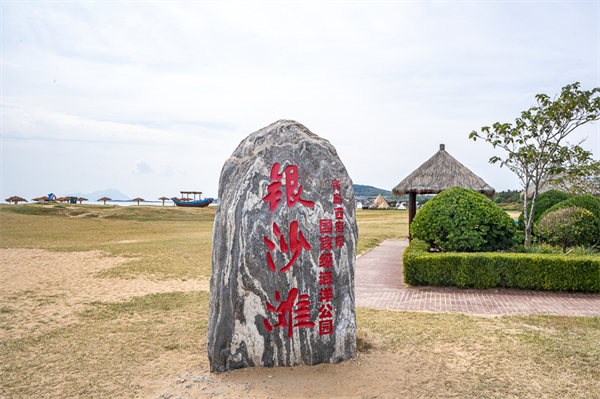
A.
pixel 380 285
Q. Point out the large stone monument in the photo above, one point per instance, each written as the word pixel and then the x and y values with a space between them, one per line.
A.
pixel 284 249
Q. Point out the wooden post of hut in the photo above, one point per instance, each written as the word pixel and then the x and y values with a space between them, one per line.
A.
pixel 440 172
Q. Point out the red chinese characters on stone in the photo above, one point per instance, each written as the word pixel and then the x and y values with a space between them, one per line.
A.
pixel 337 199
pixel 326 243
pixel 297 242
pixel 325 226
pixel 325 278
pixel 285 312
pixel 339 227
pixel 339 213
pixel 326 261
pixel 293 189
pixel 336 185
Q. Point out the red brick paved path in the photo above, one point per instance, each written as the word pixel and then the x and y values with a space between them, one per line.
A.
pixel 380 285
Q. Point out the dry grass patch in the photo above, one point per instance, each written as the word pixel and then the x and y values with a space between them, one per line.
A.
pixel 162 242
pixel 107 350
pixel 154 344
pixel 376 226
pixel 503 356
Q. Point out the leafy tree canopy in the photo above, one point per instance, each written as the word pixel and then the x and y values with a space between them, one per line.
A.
pixel 536 146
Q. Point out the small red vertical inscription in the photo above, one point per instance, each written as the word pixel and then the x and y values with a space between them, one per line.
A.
pixel 332 236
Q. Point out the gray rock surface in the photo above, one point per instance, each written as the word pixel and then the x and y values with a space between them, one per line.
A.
pixel 258 274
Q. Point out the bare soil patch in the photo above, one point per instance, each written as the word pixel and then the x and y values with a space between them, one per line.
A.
pixel 43 289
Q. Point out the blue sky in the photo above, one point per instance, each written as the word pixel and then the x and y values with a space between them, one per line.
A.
pixel 151 98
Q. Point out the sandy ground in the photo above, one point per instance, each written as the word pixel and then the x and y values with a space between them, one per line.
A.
pixel 64 282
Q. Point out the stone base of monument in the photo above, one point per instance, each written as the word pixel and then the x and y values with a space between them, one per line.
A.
pixel 284 245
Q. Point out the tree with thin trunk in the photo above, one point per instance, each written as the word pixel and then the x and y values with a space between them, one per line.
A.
pixel 536 145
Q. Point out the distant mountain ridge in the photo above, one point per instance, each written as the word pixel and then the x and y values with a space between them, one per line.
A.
pixel 96 195
pixel 370 191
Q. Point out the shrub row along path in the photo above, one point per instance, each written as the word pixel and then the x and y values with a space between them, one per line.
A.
pixel 380 285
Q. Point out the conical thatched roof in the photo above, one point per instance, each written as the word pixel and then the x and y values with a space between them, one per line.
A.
pixel 379 203
pixel 440 173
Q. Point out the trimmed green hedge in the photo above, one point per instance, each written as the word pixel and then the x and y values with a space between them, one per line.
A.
pixel 496 269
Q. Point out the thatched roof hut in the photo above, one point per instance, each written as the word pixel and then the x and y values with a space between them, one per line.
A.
pixel 439 173
pixel 379 203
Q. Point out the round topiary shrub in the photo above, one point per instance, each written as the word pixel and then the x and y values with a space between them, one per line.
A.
pixel 544 201
pixel 463 220
pixel 585 201
pixel 568 227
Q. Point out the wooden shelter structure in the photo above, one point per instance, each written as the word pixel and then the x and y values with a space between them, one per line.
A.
pixel 105 199
pixel 185 195
pixel 164 199
pixel 439 173
pixel 379 203
pixel 138 199
pixel 81 199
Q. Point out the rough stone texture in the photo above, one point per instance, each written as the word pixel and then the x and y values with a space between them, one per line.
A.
pixel 242 282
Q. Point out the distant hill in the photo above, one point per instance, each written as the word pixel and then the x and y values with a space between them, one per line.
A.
pixel 370 191
pixel 110 193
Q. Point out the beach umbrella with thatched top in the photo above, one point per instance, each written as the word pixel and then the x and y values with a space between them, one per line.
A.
pixel 105 199
pixel 138 199
pixel 439 173
pixel 164 199
pixel 81 199
pixel 15 199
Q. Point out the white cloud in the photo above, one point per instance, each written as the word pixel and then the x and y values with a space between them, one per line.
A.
pixel 142 167
pixel 179 85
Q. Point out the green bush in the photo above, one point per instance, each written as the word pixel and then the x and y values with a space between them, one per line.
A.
pixel 586 201
pixel 512 270
pixel 463 220
pixel 568 226
pixel 544 201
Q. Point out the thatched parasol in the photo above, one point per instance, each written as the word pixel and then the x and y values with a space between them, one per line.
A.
pixel 81 199
pixel 63 199
pixel 44 198
pixel 164 199
pixel 439 173
pixel 105 199
pixel 379 203
pixel 15 199
pixel 138 199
